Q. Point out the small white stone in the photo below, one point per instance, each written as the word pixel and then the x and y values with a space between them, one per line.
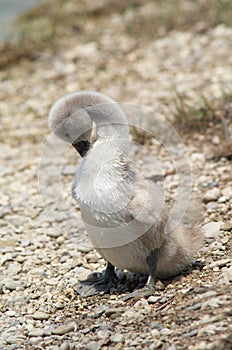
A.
pixel 40 315
pixel 101 334
pixel 131 314
pixel 36 332
pixel 153 299
pixel 165 331
pixel 141 304
pixel 155 333
pixel 64 328
pixel 228 274
pixel 223 199
pixel 117 338
pixel 197 157
pixel 216 140
pixel 212 229
pixel 11 285
pixel 212 195
pixel 10 313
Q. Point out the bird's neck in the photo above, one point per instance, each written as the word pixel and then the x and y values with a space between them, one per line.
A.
pixel 107 115
pixel 104 177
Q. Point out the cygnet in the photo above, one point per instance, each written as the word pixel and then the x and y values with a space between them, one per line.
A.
pixel 125 214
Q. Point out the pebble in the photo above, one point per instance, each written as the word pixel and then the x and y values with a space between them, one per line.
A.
pixel 117 338
pixel 25 243
pixel 113 311
pixel 35 340
pixel 163 300
pixel 142 304
pixel 210 184
pixel 211 195
pixel 219 263
pixel 228 274
pixel 198 157
pixel 215 140
pixel 14 269
pixel 10 313
pixel 92 257
pixel 192 333
pixel 212 229
pixel 93 345
pixel 36 332
pixel 52 281
pixel 227 225
pixel 53 234
pixel 65 346
pixel 153 299
pixel 60 240
pixel 156 345
pixel 16 339
pixel 84 248
pixel 11 285
pixel 223 199
pixel 155 333
pixel 196 306
pixel 159 285
pixel 103 334
pixel 209 294
pixel 227 191
pixel 65 328
pixel 165 331
pixel 40 315
pixel 100 310
pixel 216 246
pixel 58 305
pixel 212 206
pixel 131 314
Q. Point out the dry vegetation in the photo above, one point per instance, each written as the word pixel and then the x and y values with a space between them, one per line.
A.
pixel 208 116
pixel 47 26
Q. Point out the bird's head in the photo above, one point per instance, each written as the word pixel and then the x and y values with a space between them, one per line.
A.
pixel 71 124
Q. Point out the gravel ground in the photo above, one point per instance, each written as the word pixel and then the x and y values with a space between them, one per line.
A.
pixel 40 263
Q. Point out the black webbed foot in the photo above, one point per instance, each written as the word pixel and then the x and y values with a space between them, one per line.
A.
pixel 146 291
pixel 98 283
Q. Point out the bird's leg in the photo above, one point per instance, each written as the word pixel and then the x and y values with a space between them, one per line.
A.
pixel 100 283
pixel 149 288
pixel 109 276
pixel 152 260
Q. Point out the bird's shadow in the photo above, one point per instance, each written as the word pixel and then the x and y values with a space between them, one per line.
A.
pixel 127 282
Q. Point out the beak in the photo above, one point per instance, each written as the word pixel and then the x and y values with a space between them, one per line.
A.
pixel 82 147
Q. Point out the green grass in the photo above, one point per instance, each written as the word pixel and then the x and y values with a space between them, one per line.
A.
pixel 208 117
pixel 207 111
pixel 205 116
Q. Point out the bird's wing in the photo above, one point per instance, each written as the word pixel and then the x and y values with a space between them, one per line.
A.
pixel 147 213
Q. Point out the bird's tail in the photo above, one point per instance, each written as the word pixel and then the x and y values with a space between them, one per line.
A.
pixel 178 250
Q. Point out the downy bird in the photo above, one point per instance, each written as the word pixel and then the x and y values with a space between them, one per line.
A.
pixel 125 214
